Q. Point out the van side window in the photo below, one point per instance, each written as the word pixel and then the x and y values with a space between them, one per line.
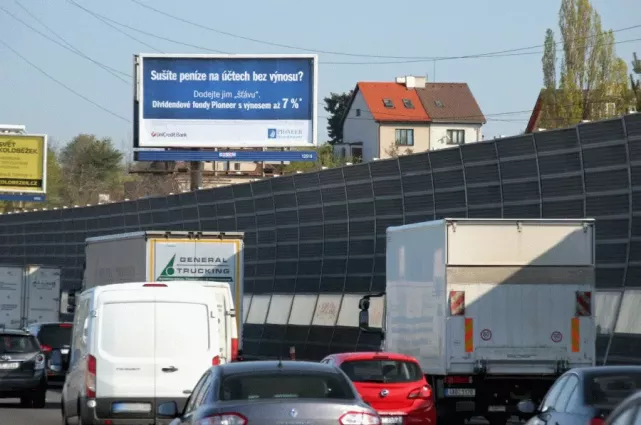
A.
pixel 78 344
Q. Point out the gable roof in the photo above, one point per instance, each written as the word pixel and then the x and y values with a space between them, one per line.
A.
pixel 533 123
pixel 375 93
pixel 450 102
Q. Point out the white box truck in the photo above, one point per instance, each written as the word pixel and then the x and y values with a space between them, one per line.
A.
pixel 493 309
pixel 157 256
pixel 29 294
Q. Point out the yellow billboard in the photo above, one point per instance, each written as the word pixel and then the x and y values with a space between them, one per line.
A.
pixel 23 163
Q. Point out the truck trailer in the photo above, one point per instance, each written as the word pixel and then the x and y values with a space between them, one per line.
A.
pixel 28 294
pixel 157 256
pixel 493 309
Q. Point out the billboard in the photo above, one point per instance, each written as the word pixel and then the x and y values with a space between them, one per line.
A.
pixel 212 101
pixel 23 163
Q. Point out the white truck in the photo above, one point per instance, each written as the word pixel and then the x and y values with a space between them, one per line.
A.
pixel 494 310
pixel 29 294
pixel 157 256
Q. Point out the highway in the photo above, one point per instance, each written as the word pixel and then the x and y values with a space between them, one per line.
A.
pixel 12 414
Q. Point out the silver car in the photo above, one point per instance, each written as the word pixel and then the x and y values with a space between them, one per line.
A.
pixel 272 393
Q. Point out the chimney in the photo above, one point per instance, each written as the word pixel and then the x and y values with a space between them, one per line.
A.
pixel 412 82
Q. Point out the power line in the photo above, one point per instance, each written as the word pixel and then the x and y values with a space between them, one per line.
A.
pixel 66 46
pixel 104 21
pixel 269 43
pixel 52 78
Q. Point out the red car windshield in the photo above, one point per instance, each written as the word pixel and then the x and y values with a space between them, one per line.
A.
pixel 384 371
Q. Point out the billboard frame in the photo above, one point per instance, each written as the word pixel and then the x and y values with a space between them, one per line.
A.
pixel 45 151
pixel 139 97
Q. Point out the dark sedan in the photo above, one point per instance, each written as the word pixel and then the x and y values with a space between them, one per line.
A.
pixel 584 396
pixel 273 392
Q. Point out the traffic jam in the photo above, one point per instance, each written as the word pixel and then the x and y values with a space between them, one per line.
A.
pixel 501 334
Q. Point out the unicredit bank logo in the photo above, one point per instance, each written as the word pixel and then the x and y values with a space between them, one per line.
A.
pixel 174 134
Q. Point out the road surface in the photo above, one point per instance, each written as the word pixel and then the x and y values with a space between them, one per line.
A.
pixel 12 414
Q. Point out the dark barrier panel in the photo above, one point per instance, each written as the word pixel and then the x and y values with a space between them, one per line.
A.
pixel 315 241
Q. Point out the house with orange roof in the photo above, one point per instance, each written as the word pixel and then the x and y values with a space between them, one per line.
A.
pixel 410 115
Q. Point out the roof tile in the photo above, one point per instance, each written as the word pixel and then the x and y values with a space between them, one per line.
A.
pixel 376 94
pixel 450 102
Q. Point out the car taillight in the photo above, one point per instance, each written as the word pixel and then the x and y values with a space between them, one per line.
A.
pixel 215 361
pixel 223 419
pixel 597 421
pixel 458 379
pixel 234 349
pixel 358 418
pixel 65 325
pixel 45 348
pixel 424 392
pixel 90 378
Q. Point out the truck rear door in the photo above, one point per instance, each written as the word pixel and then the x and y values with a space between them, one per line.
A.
pixel 519 328
pixel 42 302
pixel 11 297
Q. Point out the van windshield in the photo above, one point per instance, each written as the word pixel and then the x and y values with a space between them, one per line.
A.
pixel 384 371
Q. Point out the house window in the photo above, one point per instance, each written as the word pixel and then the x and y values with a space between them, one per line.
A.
pixel 358 112
pixel 236 166
pixel 404 137
pixel 388 103
pixel 408 103
pixel 455 137
pixel 610 109
pixel 343 152
pixel 357 154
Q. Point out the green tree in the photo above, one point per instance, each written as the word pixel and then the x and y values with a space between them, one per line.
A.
pixel 635 83
pixel 90 166
pixel 590 76
pixel 336 105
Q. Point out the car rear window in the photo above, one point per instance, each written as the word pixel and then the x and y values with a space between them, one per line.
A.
pixel 18 344
pixel 384 371
pixel 277 385
pixel 609 390
pixel 55 336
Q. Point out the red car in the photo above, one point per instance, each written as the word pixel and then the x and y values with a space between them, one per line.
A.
pixel 391 383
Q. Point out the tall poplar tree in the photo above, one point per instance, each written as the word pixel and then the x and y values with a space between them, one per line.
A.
pixel 591 82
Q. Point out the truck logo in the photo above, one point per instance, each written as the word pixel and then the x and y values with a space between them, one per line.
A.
pixel 196 268
pixel 384 393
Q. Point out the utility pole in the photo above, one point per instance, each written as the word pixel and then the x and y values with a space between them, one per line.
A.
pixel 196 169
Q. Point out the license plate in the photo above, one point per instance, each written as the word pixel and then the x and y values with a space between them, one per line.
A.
pixel 496 408
pixel 392 419
pixel 131 407
pixel 9 366
pixel 460 392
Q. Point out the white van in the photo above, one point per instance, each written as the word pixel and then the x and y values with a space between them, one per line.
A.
pixel 136 345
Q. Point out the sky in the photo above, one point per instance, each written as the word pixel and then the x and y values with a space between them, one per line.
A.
pixel 505 87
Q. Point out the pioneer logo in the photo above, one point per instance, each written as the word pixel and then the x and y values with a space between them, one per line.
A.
pixel 173 134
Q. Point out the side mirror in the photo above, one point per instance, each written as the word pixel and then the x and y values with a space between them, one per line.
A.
pixel 168 410
pixel 526 406
pixel 363 304
pixel 363 320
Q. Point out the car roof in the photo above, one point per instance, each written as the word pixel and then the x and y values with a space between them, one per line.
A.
pixel 599 370
pixel 267 365
pixel 13 332
pixel 372 355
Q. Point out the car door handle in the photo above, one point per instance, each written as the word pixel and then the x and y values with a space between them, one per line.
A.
pixel 169 369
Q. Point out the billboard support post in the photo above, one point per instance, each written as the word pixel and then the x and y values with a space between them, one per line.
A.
pixel 196 178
